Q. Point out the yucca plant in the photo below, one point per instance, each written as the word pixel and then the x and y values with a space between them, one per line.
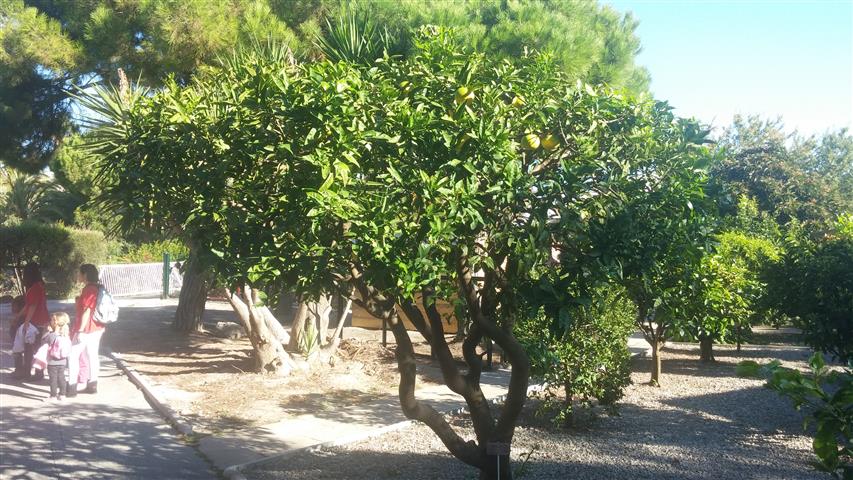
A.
pixel 355 38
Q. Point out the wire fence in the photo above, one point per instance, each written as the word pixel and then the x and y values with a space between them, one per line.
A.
pixel 125 279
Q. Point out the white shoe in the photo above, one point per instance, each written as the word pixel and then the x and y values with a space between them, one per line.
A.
pixel 50 400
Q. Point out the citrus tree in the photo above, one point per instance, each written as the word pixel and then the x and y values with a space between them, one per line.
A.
pixel 395 183
pixel 725 295
pixel 645 220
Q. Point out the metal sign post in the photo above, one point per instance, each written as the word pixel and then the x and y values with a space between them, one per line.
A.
pixel 497 449
pixel 167 270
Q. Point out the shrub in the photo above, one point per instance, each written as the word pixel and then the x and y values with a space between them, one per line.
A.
pixel 813 283
pixel 828 396
pixel 58 250
pixel 589 360
pixel 151 252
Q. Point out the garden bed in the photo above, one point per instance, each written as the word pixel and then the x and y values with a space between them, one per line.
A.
pixel 703 423
pixel 209 380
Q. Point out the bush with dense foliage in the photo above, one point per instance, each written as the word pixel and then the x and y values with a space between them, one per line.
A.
pixel 588 361
pixel 150 252
pixel 57 249
pixel 813 284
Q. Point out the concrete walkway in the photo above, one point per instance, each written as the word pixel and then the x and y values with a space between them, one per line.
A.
pixel 335 425
pixel 338 425
pixel 112 435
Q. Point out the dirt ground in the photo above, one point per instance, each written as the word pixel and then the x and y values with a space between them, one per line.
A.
pixel 703 423
pixel 209 380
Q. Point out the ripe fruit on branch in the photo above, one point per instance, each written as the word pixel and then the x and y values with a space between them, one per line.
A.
pixel 550 142
pixel 463 95
pixel 531 141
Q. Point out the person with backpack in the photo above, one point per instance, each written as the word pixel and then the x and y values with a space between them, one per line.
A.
pixel 86 332
pixel 58 350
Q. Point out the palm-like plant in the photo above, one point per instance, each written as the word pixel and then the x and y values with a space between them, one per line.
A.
pixel 30 197
pixel 355 38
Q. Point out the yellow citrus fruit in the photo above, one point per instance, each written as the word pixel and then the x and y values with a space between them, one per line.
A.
pixel 531 141
pixel 463 95
pixel 550 142
pixel 517 102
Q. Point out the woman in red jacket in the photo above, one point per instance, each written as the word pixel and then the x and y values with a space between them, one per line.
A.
pixel 35 309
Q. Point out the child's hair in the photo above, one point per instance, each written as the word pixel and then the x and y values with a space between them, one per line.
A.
pixel 90 272
pixel 18 304
pixel 31 275
pixel 59 323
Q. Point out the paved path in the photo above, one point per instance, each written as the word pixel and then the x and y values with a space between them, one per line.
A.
pixel 137 444
pixel 337 425
pixel 112 435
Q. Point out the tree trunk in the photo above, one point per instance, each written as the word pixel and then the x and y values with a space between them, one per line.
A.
pixel 706 348
pixel 188 316
pixel 739 333
pixel 270 356
pixel 298 326
pixel 491 471
pixel 656 366
pixel 319 312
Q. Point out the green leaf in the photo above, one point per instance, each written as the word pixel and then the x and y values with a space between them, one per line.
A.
pixel 395 174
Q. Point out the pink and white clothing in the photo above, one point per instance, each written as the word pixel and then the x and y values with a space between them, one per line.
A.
pixel 87 334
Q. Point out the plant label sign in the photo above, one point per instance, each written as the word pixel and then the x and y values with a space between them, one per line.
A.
pixel 497 448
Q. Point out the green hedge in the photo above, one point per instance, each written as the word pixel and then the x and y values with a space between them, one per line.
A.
pixel 59 251
pixel 151 252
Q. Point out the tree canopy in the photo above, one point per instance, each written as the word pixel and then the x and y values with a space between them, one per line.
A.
pixel 445 174
pixel 807 179
pixel 49 46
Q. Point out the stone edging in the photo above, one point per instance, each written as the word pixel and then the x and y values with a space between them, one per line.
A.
pixel 151 394
pixel 234 472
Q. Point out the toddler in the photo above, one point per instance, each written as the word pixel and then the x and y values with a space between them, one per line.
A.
pixel 58 350
pixel 23 343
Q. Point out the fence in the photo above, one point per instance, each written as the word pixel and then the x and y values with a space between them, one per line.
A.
pixel 124 279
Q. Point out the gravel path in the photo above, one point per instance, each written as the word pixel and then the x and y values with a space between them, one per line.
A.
pixel 704 423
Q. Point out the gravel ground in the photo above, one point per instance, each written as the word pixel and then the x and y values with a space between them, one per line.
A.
pixel 704 423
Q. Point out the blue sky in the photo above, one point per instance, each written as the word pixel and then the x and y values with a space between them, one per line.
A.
pixel 715 59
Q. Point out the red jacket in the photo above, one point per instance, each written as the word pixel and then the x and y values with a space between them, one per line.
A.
pixel 88 298
pixel 36 297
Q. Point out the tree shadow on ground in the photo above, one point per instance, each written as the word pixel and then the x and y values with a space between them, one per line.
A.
pixel 61 441
pixel 146 337
pixel 347 406
pixel 640 444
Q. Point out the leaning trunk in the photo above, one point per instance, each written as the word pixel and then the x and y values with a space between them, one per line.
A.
pixel 321 310
pixel 706 348
pixel 269 353
pixel 188 316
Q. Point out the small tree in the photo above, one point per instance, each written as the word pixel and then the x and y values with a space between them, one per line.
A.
pixel 813 283
pixel 588 360
pixel 646 223
pixel 397 183
pixel 723 295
